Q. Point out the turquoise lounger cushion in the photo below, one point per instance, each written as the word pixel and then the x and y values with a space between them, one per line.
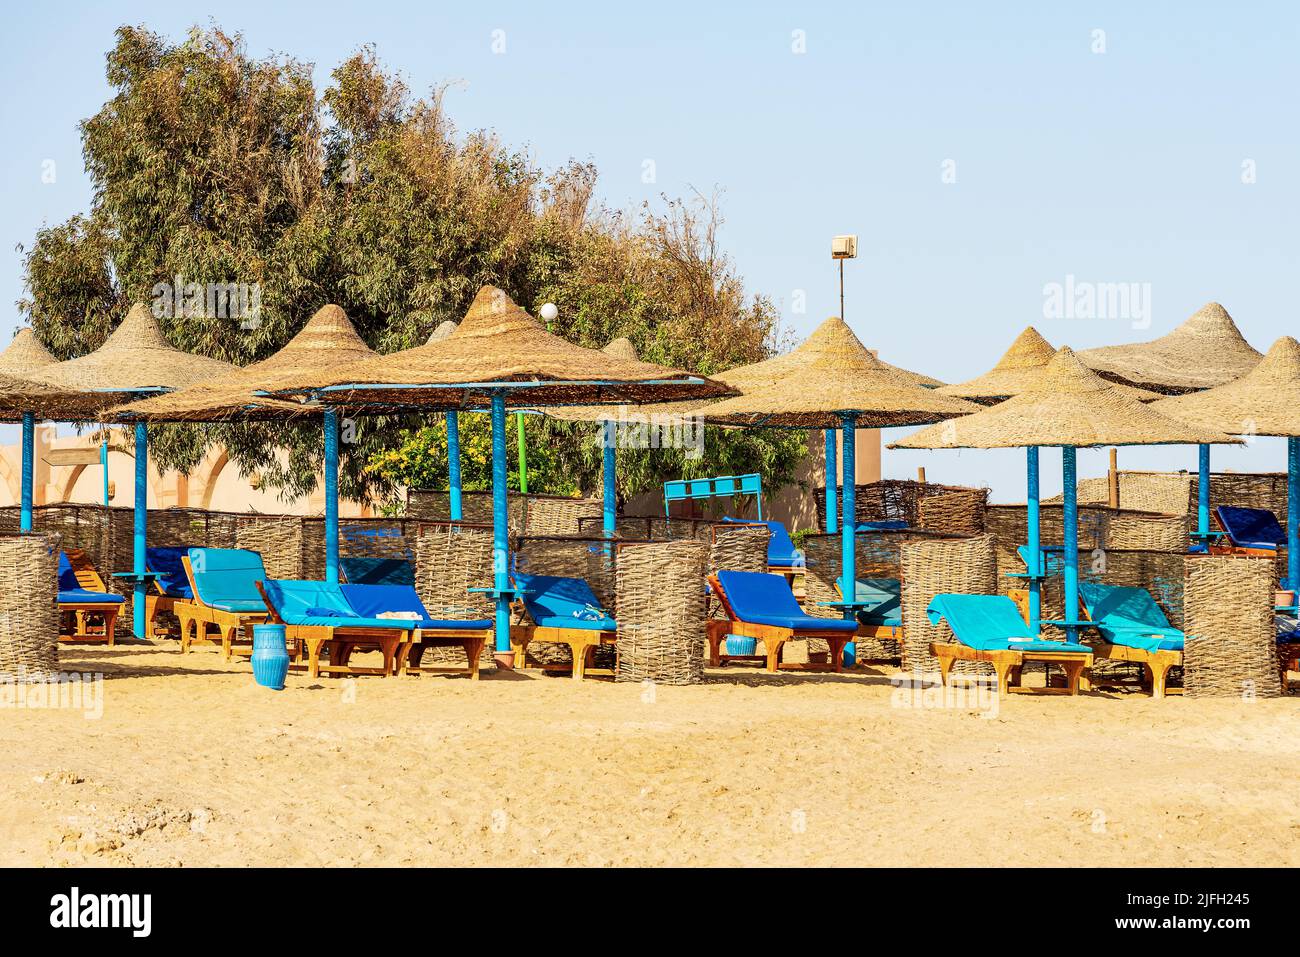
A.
pixel 991 623
pixel 892 525
pixel 371 601
pixel 318 603
pixel 166 563
pixel 1251 527
pixel 1129 617
pixel 555 602
pixel 377 571
pixel 885 598
pixel 781 552
pixel 226 578
pixel 764 599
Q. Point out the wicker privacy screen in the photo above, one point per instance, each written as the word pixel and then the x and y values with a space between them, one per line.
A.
pixel 960 509
pixel 660 611
pixel 1231 648
pixel 965 566
pixel 29 615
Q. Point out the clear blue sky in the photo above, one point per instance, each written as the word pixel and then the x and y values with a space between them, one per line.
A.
pixel 1120 166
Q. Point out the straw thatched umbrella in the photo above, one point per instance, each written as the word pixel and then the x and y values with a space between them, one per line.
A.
pixel 831 381
pixel 327 338
pixel 1017 370
pixel 443 330
pixel 135 359
pixel 22 398
pixel 502 355
pixel 1069 406
pixel 1207 350
pixel 1265 401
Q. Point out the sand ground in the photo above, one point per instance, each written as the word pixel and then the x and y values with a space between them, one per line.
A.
pixel 192 764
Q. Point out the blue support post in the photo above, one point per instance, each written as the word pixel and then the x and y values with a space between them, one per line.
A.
pixel 1069 473
pixel 831 490
pixel 1293 513
pixel 610 479
pixel 500 518
pixel 453 463
pixel 331 426
pixel 141 586
pixel 29 464
pixel 848 523
pixel 1203 497
pixel 1035 542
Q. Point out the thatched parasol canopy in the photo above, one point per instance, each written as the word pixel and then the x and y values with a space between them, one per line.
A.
pixel 1017 370
pixel 24 354
pixel 832 373
pixel 327 338
pixel 1068 404
pixel 1265 401
pixel 444 329
pixel 136 357
pixel 621 348
pixel 1205 351
pixel 499 346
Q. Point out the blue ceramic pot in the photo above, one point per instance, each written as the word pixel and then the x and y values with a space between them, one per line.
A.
pixel 270 656
pixel 736 645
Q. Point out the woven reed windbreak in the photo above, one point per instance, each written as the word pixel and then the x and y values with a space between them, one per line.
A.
pixel 559 515
pixel 737 548
pixel 1231 646
pixel 570 556
pixel 894 500
pixel 29 612
pixel 660 611
pixel 956 511
pixel 278 540
pixel 1248 490
pixel 475 507
pixel 449 561
pixel 1099 527
pixel 965 566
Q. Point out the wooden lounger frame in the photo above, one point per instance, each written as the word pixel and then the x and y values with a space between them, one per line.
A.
pixel 195 617
pixel 409 653
pixel 89 580
pixel 773 638
pixel 582 643
pixel 1007 664
pixel 342 641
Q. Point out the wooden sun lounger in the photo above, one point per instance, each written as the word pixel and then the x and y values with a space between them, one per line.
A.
pixel 773 638
pixel 340 644
pixel 81 612
pixel 234 628
pixel 582 642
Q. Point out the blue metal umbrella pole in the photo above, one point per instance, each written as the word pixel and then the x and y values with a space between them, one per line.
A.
pixel 848 522
pixel 831 490
pixel 141 585
pixel 1203 497
pixel 453 464
pixel 1071 516
pixel 610 479
pixel 103 467
pixel 1035 544
pixel 29 455
pixel 331 426
pixel 1293 513
pixel 500 539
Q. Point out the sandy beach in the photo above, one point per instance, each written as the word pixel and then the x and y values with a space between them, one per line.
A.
pixel 192 764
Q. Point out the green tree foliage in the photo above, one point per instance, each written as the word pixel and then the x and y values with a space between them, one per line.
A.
pixel 216 167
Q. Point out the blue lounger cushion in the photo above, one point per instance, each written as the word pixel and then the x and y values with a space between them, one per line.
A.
pixel 71 592
pixel 226 578
pixel 1251 527
pixel 371 601
pixel 165 562
pixel 781 552
pixel 555 602
pixel 885 596
pixel 991 623
pixel 300 602
pixel 1129 617
pixel 891 525
pixel 377 571
pixel 765 599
